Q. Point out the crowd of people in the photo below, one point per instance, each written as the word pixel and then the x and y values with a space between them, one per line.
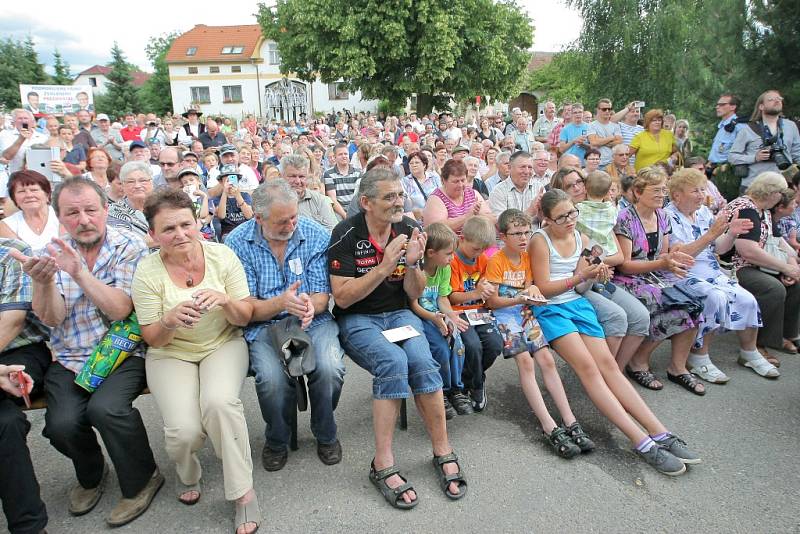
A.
pixel 423 248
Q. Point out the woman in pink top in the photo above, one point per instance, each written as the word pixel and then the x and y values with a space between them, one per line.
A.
pixel 454 202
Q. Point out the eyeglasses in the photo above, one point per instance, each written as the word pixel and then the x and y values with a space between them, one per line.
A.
pixel 519 234
pixel 576 183
pixel 657 190
pixel 774 99
pixel 392 197
pixel 167 163
pixel 604 109
pixel 626 154
pixel 720 104
pixel 138 181
pixel 571 215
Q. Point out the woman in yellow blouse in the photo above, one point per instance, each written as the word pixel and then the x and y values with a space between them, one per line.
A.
pixel 190 302
pixel 653 144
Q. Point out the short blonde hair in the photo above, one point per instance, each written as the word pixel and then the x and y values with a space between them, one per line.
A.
pixel 766 184
pixel 685 178
pixel 648 176
pixel 479 230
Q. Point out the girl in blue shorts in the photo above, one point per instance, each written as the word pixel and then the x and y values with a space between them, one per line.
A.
pixel 570 326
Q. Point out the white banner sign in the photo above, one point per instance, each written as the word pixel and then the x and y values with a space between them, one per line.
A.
pixel 56 99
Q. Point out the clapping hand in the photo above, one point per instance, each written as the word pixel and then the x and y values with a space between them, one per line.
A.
pixel 416 246
pixel 739 226
pixel 41 269
pixel 206 300
pixel 67 258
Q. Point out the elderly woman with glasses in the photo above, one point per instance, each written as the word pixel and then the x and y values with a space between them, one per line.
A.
pixel 654 144
pixel 128 213
pixel 650 269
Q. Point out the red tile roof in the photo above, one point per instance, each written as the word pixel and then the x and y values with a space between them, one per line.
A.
pixel 539 60
pixel 138 77
pixel 210 40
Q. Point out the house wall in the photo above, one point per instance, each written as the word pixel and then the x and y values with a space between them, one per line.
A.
pixel 253 79
pixel 83 79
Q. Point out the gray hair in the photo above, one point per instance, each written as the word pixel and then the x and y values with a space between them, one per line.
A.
pixel 503 157
pixel 765 184
pixel 296 161
pixel 369 183
pixel 271 192
pixel 619 148
pixel 471 159
pixel 133 166
pixel 75 183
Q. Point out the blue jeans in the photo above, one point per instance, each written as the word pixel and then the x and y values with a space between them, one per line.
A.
pixel 394 366
pixel 450 363
pixel 276 391
pixel 482 346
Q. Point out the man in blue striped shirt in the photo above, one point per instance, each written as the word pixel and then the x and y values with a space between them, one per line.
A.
pixel 285 261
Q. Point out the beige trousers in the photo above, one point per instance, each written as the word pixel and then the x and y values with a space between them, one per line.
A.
pixel 202 398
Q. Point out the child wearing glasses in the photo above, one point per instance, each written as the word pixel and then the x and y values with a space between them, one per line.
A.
pixel 523 340
pixel 570 326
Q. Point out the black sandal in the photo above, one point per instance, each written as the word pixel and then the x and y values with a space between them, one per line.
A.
pixel 644 378
pixel 688 382
pixel 393 496
pixel 445 480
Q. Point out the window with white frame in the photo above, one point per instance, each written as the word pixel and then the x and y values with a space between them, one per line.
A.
pixel 273 56
pixel 231 93
pixel 200 95
pixel 337 91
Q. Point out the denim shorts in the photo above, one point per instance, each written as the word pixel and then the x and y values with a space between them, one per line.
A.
pixel 395 367
pixel 577 315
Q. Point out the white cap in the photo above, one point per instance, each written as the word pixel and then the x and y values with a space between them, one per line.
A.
pixel 102 117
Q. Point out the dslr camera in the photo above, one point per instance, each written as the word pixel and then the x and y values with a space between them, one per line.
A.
pixel 776 154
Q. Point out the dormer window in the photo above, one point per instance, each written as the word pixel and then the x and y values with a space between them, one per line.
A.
pixel 192 50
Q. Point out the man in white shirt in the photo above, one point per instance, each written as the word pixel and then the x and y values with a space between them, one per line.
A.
pixel 15 143
pixel 545 124
pixel 518 191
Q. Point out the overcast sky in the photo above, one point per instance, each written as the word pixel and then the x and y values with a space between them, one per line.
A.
pixel 76 29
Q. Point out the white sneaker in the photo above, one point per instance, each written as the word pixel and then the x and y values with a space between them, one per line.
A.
pixel 761 366
pixel 710 373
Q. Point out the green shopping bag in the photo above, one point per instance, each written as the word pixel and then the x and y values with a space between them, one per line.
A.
pixel 119 342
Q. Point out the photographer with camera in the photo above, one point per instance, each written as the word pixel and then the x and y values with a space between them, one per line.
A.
pixel 769 143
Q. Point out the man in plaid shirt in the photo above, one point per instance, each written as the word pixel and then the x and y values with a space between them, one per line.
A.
pixel 80 286
pixel 21 344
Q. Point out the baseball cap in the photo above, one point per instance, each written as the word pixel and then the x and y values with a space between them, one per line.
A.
pixel 189 153
pixel 188 170
pixel 137 144
pixel 102 117
pixel 226 149
pixel 228 169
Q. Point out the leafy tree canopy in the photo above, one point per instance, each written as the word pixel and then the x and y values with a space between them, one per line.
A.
pixel 19 64
pixel 156 93
pixel 390 49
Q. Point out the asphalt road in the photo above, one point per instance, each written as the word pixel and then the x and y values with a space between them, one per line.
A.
pixel 746 432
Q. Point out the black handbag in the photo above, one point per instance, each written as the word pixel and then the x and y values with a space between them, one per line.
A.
pixel 293 347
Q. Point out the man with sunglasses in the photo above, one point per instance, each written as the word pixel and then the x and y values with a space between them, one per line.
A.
pixel 729 125
pixel 604 134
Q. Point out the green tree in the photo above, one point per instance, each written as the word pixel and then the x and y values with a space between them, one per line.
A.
pixel 775 49
pixel 62 75
pixel 156 93
pixel 19 64
pixel 391 49
pixel 561 80
pixel 121 96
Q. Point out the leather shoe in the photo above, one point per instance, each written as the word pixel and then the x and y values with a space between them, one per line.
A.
pixel 127 510
pixel 274 460
pixel 82 500
pixel 330 454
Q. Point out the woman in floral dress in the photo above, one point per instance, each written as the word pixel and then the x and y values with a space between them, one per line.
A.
pixel 650 268
pixel 727 306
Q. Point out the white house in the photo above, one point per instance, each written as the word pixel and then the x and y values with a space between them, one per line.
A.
pixel 97 78
pixel 235 71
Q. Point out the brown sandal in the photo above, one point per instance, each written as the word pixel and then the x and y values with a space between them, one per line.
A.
pixel 789 347
pixel 768 356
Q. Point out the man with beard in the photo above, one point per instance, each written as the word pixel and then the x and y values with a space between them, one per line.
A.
pixel 80 285
pixel 284 258
pixel 769 143
pixel 374 264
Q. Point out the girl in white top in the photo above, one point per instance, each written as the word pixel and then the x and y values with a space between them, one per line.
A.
pixel 570 326
pixel 36 222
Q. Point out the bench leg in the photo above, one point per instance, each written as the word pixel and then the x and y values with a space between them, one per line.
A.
pixel 293 437
pixel 403 415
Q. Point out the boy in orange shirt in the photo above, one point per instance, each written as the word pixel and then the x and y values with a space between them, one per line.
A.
pixel 510 270
pixel 482 343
